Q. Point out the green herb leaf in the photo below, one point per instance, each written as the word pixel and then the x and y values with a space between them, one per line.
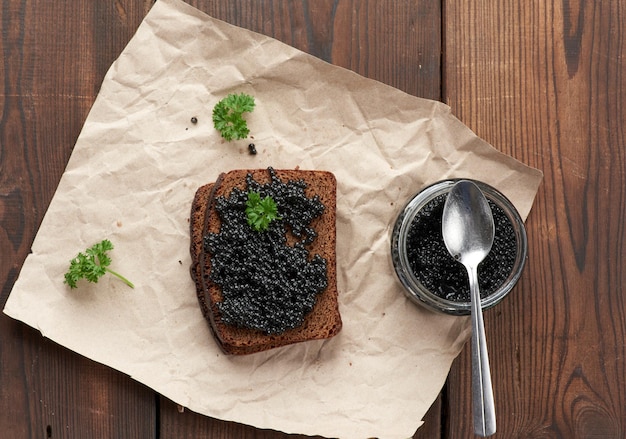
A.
pixel 92 265
pixel 260 212
pixel 228 116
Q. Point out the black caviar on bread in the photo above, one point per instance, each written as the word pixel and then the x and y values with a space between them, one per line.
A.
pixel 259 292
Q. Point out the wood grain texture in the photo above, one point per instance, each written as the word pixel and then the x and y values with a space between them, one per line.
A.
pixel 541 81
pixel 177 423
pixel 397 42
pixel 544 82
pixel 54 56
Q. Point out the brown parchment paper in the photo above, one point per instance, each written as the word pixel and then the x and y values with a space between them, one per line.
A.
pixel 133 174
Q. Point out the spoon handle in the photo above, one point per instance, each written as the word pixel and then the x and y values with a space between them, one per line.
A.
pixel 482 391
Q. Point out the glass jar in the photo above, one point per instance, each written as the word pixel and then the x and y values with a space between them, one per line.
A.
pixel 434 286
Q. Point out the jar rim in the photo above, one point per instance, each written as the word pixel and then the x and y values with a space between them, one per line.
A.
pixel 413 288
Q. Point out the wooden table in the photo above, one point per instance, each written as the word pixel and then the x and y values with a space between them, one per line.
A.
pixel 543 81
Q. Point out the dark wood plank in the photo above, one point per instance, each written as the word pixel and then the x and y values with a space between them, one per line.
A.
pixel 544 82
pixel 178 423
pixel 54 56
pixel 432 427
pixel 395 42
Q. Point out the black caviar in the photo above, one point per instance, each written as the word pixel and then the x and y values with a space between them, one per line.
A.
pixel 444 276
pixel 267 284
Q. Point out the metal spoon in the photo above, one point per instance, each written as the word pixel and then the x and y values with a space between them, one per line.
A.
pixel 468 231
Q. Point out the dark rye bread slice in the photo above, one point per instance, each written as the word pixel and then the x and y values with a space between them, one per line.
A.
pixel 324 321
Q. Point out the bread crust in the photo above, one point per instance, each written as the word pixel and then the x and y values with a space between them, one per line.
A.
pixel 324 321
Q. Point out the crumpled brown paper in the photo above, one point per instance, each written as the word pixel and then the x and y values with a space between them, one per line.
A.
pixel 132 176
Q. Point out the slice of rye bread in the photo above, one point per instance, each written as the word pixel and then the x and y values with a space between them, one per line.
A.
pixel 324 321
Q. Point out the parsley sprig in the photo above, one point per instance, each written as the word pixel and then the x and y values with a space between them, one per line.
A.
pixel 92 265
pixel 228 116
pixel 261 212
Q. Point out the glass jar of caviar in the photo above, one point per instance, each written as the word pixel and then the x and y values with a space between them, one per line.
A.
pixel 431 276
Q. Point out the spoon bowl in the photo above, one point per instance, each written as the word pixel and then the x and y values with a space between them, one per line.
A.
pixel 468 233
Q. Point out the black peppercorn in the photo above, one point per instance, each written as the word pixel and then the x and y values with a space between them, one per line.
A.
pixel 252 149
pixel 194 120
